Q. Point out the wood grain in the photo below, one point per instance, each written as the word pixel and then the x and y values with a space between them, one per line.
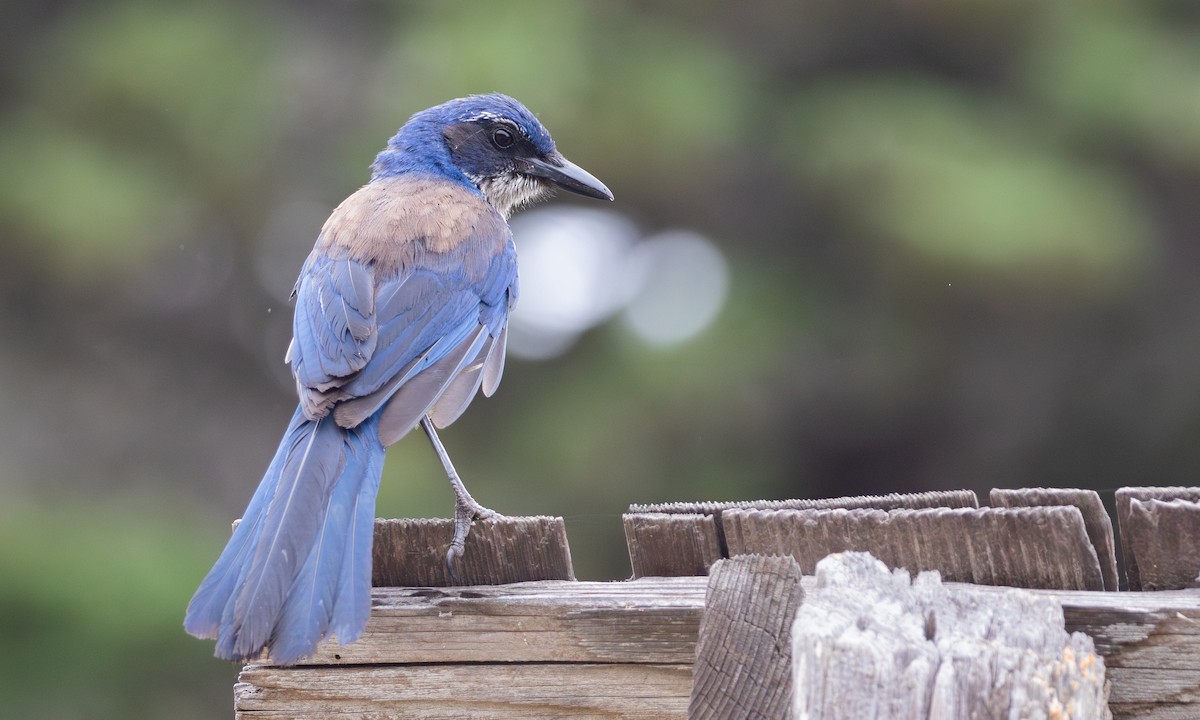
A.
pixel 673 539
pixel 1150 641
pixel 1163 536
pixel 1126 525
pixel 744 655
pixel 555 647
pixel 669 545
pixel 890 501
pixel 483 691
pixel 412 553
pixel 1036 547
pixel 654 620
pixel 1095 519
pixel 869 644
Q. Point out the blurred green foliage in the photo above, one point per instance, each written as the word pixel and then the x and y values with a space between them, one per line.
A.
pixel 967 182
pixel 89 614
pixel 963 241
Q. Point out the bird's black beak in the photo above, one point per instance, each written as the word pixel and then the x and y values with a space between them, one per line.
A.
pixel 567 175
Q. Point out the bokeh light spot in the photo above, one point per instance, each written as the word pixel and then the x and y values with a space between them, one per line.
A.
pixel 678 282
pixel 580 267
pixel 572 262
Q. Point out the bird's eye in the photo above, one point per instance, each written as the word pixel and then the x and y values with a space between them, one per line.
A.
pixel 502 138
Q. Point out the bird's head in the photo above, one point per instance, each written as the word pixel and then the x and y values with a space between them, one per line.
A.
pixel 493 142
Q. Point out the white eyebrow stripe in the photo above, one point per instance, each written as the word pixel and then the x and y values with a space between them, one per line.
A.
pixel 486 115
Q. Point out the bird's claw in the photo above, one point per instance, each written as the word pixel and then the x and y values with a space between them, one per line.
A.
pixel 465 513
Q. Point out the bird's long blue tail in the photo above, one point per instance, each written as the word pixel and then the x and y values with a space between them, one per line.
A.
pixel 298 567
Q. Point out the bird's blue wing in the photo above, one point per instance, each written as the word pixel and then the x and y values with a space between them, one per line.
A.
pixel 371 340
pixel 334 325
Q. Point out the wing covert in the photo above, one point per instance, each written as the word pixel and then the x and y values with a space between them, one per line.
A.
pixel 403 324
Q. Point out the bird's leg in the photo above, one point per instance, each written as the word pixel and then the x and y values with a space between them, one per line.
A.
pixel 466 508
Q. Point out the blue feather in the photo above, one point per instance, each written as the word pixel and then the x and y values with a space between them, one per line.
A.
pixel 337 551
pixel 422 313
pixel 316 503
pixel 312 463
pixel 335 319
pixel 352 604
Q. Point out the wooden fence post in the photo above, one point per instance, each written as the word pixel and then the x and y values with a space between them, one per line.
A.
pixel 869 644
pixel 1160 536
pixel 866 643
pixel 744 654
pixel 1096 522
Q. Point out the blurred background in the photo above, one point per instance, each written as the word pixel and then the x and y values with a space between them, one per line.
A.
pixel 857 248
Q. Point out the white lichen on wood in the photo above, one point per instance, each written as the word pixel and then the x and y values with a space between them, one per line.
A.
pixel 871 643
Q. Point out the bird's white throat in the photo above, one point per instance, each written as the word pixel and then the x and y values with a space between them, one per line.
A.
pixel 508 193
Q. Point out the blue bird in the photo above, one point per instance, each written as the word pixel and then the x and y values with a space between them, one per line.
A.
pixel 401 310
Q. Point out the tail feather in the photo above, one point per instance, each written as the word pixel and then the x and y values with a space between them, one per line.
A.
pixel 278 581
pixel 289 527
pixel 317 592
pixel 353 603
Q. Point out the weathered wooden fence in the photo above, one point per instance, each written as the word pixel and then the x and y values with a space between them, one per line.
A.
pixel 725 617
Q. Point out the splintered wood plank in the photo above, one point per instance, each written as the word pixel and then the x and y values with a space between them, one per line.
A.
pixel 1159 528
pixel 412 553
pixel 450 692
pixel 670 545
pixel 1152 711
pixel 1165 538
pixel 869 644
pixel 672 539
pixel 1036 547
pixel 1127 494
pixel 654 620
pixel 1095 519
pixel 1150 641
pixel 890 501
pixel 744 657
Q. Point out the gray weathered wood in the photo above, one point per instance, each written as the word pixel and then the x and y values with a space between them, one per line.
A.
pixel 653 620
pixel 484 691
pixel 890 501
pixel 1124 497
pixel 1035 547
pixel 1095 519
pixel 744 656
pixel 687 538
pixel 1152 711
pixel 1163 541
pixel 1150 641
pixel 869 644
pixel 669 545
pixel 1164 536
pixel 411 553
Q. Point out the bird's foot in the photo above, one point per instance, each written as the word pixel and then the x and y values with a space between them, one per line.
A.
pixel 466 511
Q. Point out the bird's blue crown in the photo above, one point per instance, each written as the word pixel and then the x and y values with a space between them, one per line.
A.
pixel 420 147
